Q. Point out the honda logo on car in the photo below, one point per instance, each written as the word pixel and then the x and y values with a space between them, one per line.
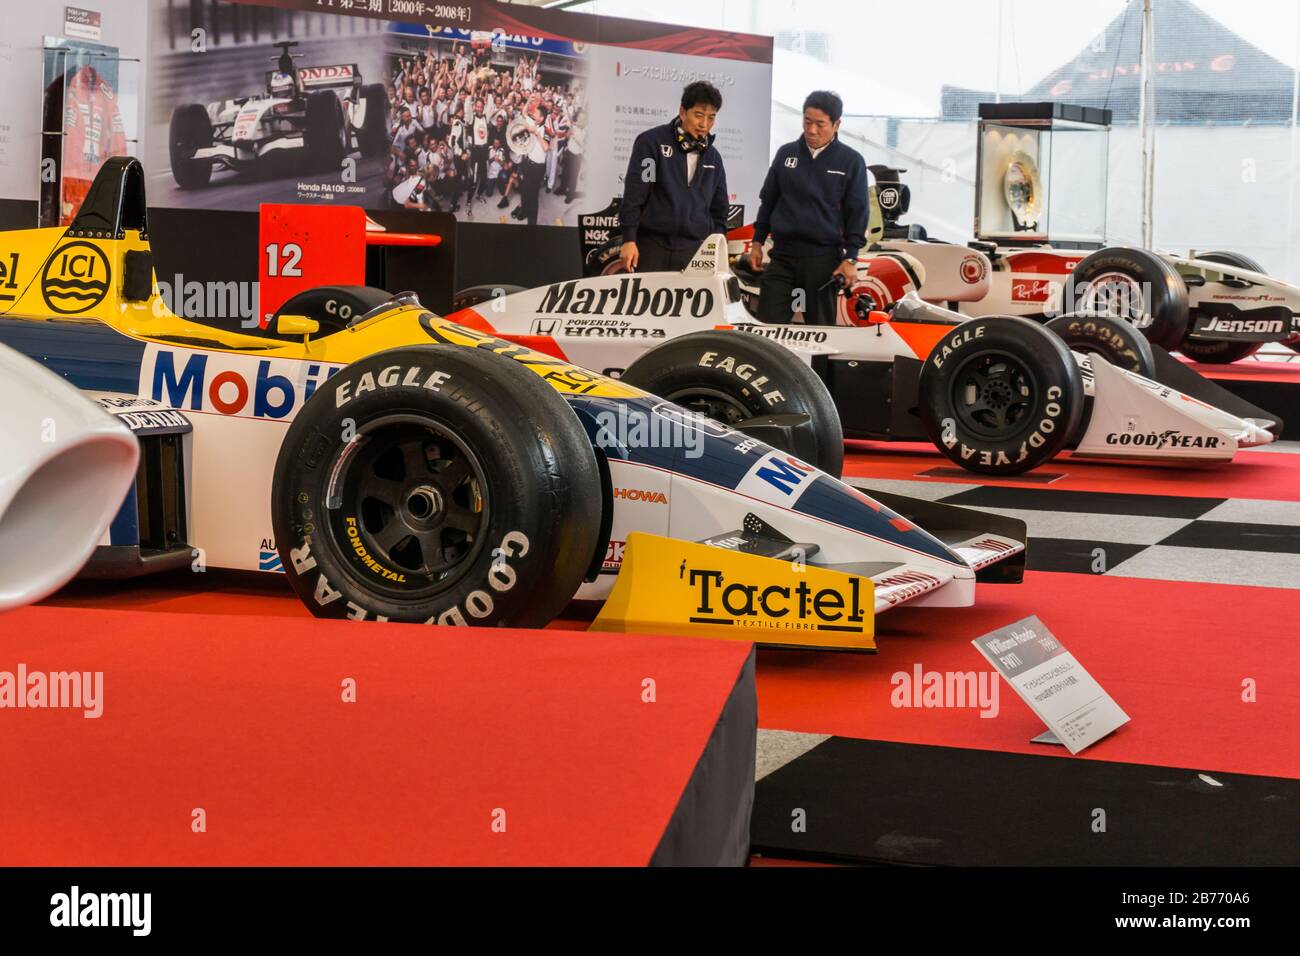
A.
pixel 636 494
pixel 630 297
pixel 227 384
pixel 596 328
pixel 746 605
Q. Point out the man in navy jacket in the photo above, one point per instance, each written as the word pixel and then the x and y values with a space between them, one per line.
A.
pixel 814 206
pixel 675 191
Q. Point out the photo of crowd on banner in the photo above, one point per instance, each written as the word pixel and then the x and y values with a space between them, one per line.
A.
pixel 484 132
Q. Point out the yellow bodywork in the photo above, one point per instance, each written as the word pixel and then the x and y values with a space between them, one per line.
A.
pixel 56 275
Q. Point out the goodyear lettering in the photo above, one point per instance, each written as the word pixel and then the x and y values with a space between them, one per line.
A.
pixel 746 604
pixel 1166 439
pixel 479 604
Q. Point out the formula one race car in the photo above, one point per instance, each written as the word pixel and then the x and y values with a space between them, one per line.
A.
pixel 408 468
pixel 65 464
pixel 308 118
pixel 997 395
pixel 1211 306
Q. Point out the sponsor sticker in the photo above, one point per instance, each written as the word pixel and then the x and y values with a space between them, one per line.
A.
pixel 667 586
pixel 225 383
pixel 76 278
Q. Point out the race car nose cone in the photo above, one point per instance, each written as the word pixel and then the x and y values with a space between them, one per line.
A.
pixel 1255 434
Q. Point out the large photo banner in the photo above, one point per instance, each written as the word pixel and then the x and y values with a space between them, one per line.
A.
pixel 396 104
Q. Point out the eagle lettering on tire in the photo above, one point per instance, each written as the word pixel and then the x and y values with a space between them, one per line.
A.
pixel 1001 395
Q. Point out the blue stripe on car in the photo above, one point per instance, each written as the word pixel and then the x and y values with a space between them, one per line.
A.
pixel 89 355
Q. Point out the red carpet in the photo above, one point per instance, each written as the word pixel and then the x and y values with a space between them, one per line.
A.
pixel 1252 474
pixel 245 720
pixel 1172 654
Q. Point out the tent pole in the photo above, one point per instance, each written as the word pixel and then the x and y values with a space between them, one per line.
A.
pixel 1146 119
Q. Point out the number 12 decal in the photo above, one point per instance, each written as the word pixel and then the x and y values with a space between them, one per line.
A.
pixel 291 255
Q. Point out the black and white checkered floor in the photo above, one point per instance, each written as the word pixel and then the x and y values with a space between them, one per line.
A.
pixel 1217 540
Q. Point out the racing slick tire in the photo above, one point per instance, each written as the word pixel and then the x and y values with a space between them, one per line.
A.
pixel 372 137
pixel 325 134
pixel 733 376
pixel 1001 395
pixel 437 484
pixel 190 131
pixel 1115 340
pixel 1117 280
pixel 478 294
pixel 333 306
pixel 1224 351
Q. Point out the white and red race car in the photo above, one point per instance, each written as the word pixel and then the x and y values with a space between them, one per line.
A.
pixel 997 395
pixel 1213 307
pixel 309 116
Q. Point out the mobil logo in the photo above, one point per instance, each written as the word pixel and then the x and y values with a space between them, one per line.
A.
pixel 241 386
pixel 778 478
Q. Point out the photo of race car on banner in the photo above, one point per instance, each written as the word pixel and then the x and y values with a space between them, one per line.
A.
pixel 500 124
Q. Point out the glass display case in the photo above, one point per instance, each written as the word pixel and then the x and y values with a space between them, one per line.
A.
pixel 1041 174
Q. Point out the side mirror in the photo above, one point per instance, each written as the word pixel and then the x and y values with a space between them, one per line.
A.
pixel 296 325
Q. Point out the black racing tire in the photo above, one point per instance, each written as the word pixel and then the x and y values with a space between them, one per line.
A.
pixel 1133 284
pixel 333 306
pixel 1000 395
pixel 1220 352
pixel 325 130
pixel 1232 259
pixel 1115 340
pixel 731 376
pixel 372 138
pixel 437 484
pixel 603 261
pixel 478 294
pixel 190 131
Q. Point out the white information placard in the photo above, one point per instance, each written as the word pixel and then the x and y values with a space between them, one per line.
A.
pixel 1052 682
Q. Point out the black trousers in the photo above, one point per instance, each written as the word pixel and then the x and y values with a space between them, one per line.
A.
pixel 479 158
pixel 657 256
pixel 790 283
pixel 572 166
pixel 529 188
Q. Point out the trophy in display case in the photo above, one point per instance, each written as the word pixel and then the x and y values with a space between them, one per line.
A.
pixel 1041 174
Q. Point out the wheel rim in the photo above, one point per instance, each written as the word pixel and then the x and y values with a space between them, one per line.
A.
pixel 410 497
pixel 992 394
pixel 1117 294
pixel 711 403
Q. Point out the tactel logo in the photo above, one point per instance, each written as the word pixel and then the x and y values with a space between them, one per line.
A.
pixel 802 607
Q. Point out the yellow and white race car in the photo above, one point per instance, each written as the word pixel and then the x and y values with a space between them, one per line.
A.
pixel 403 467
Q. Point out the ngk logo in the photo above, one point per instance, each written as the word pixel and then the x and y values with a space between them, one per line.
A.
pixel 636 494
